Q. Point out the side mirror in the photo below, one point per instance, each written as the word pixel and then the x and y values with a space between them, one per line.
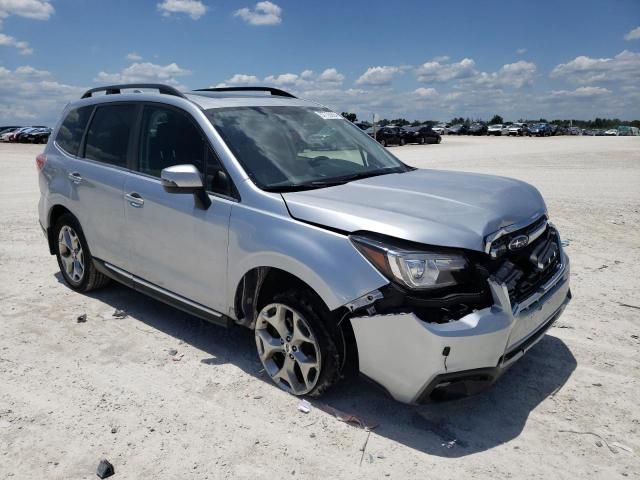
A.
pixel 185 179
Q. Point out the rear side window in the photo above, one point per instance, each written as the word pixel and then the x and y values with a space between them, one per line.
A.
pixel 109 133
pixel 71 131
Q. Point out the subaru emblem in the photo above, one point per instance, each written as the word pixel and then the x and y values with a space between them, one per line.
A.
pixel 518 242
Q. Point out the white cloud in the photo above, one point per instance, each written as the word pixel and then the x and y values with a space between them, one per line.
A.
pixel 240 80
pixel 34 9
pixel 145 72
pixel 303 82
pixel 439 71
pixel 134 57
pixel 633 34
pixel 426 92
pixel 624 67
pixel 8 41
pixel 29 95
pixel 194 8
pixel 521 51
pixel 516 75
pixel 330 75
pixel 282 80
pixel 377 76
pixel 263 13
pixel 581 92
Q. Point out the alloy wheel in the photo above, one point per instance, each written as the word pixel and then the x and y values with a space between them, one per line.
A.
pixel 71 253
pixel 288 349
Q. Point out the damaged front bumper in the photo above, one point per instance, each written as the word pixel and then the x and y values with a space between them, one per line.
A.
pixel 416 361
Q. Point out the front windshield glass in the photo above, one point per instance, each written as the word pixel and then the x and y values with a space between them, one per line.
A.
pixel 289 148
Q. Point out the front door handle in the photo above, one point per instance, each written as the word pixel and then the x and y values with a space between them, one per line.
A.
pixel 75 177
pixel 134 199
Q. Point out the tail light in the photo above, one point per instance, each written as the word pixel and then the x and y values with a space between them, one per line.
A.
pixel 40 161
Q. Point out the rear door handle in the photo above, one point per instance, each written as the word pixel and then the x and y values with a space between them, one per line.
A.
pixel 134 199
pixel 75 177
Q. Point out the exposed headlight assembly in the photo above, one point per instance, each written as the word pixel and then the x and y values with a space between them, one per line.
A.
pixel 417 270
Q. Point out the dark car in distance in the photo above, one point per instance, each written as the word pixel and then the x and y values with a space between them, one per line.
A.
pixel 421 134
pixel 478 128
pixel 460 129
pixel 539 130
pixel 390 136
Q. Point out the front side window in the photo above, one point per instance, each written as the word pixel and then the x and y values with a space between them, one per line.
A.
pixel 289 148
pixel 109 133
pixel 169 137
pixel 70 134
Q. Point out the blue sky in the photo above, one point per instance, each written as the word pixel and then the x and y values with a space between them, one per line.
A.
pixel 417 59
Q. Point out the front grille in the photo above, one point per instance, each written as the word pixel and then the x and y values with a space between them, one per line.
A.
pixel 524 270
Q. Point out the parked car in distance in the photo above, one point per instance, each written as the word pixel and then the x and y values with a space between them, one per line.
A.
pixel 539 130
pixel 612 132
pixel 421 134
pixel 38 135
pixel 15 135
pixel 441 128
pixel 518 129
pixel 497 129
pixel 390 135
pixel 431 283
pixel 5 134
pixel 574 131
pixel 626 131
pixel 477 128
pixel 460 129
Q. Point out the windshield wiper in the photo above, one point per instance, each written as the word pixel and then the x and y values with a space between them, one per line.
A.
pixel 332 182
pixel 354 176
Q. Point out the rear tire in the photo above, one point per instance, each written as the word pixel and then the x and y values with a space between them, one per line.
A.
pixel 296 345
pixel 74 257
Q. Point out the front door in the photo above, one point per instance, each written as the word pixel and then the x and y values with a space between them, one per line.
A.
pixel 176 245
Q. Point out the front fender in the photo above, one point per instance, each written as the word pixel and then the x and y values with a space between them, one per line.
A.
pixel 325 260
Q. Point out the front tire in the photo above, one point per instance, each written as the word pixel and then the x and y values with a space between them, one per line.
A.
pixel 74 257
pixel 294 344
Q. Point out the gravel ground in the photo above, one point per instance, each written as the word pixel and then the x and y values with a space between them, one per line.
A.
pixel 73 393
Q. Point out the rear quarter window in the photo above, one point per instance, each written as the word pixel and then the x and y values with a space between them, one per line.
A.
pixel 72 128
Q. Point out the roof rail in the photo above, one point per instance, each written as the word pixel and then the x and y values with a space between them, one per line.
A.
pixel 114 89
pixel 273 91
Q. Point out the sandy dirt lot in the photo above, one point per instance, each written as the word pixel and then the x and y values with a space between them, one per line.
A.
pixel 73 393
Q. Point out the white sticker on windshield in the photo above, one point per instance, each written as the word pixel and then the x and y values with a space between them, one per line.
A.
pixel 329 115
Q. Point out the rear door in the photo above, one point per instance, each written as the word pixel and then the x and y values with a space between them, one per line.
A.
pixel 96 175
pixel 177 247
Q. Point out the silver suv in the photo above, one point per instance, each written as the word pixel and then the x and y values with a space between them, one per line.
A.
pixel 249 206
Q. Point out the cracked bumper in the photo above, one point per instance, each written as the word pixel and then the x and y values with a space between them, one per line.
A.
pixel 404 354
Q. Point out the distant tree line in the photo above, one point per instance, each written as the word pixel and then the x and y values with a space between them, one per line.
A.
pixel 601 123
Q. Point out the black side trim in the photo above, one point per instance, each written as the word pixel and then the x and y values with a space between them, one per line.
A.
pixel 222 320
pixel 115 89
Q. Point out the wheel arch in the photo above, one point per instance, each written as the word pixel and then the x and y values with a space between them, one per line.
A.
pixel 259 284
pixel 54 214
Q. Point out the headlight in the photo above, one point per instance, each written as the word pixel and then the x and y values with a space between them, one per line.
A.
pixel 415 269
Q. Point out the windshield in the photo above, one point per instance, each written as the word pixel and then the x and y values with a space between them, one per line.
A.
pixel 291 148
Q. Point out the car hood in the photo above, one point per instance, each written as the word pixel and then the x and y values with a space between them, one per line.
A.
pixel 431 207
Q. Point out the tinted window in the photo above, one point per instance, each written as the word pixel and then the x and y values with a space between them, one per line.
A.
pixel 109 133
pixel 169 137
pixel 71 131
